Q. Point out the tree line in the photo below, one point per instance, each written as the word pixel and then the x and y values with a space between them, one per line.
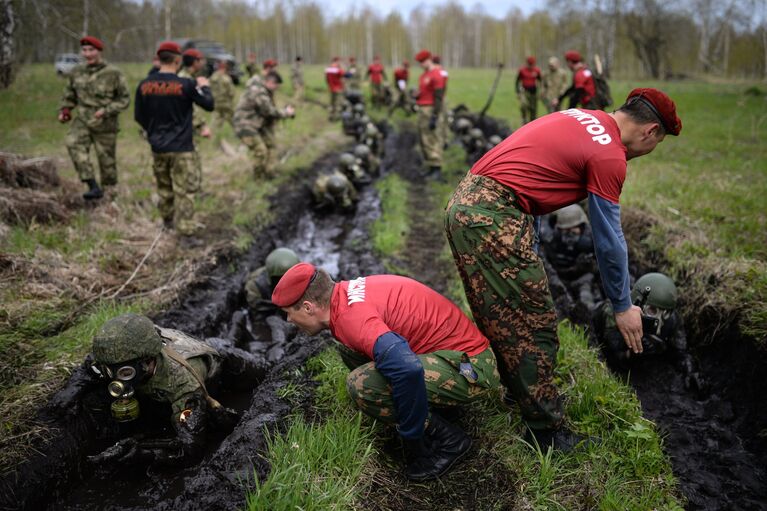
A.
pixel 635 38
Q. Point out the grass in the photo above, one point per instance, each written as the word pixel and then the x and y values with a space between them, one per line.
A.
pixel 390 230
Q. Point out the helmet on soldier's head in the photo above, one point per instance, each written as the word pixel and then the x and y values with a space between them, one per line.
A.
pixel 371 130
pixel 365 119
pixel 347 160
pixel 570 216
pixel 279 261
pixel 359 108
pixel 126 337
pixel 662 295
pixel 463 124
pixel 495 140
pixel 361 151
pixel 476 133
pixel 336 185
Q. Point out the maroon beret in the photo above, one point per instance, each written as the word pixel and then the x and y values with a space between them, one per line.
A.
pixel 662 105
pixel 573 56
pixel 169 46
pixel 531 60
pixel 422 55
pixel 293 284
pixel 89 40
pixel 193 52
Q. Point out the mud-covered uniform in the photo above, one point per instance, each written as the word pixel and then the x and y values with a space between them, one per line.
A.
pixel 334 76
pixel 490 228
pixel 405 343
pixel 258 293
pixel 163 108
pixel 222 87
pixel 431 91
pixel 323 198
pixel 91 88
pixel 528 79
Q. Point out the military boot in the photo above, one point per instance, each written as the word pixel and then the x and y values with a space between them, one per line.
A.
pixel 441 446
pixel 560 439
pixel 94 192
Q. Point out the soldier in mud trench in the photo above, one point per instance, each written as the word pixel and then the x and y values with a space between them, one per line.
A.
pixel 333 190
pixel 410 350
pixel 491 230
pixel 139 359
pixel 663 330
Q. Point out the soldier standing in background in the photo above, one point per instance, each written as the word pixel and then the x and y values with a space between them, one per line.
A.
pixel 192 63
pixel 402 97
pixel 528 79
pixel 297 79
pixel 222 87
pixel 101 93
pixel 431 93
pixel 583 90
pixel 377 75
pixel 352 75
pixel 255 118
pixel 334 76
pixel 554 84
pixel 163 108
pixel 251 67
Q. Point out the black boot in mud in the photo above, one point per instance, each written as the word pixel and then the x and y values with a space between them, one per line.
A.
pixel 94 192
pixel 431 456
pixel 560 439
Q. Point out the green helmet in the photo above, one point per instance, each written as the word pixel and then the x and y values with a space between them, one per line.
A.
pixel 495 140
pixel 662 293
pixel 359 108
pixel 463 124
pixel 570 216
pixel 362 151
pixel 365 119
pixel 371 130
pixel 476 133
pixel 347 160
pixel 279 261
pixel 336 185
pixel 126 337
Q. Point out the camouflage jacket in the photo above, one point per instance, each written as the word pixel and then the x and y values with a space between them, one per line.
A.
pixel 198 118
pixel 353 77
pixel 223 90
pixel 258 292
pixel 324 198
pixel 555 83
pixel 92 88
pixel 173 383
pixel 256 110
pixel 296 74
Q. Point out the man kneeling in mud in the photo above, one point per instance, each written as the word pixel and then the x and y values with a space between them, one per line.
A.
pixel 140 359
pixel 407 346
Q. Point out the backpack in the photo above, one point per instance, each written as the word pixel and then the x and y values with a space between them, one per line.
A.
pixel 602 97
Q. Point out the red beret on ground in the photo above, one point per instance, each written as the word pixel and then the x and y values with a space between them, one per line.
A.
pixel 293 284
pixel 662 105
pixel 193 52
pixel 573 56
pixel 89 40
pixel 169 46
pixel 531 60
pixel 423 55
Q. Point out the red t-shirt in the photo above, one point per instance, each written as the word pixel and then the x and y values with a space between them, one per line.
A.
pixel 529 77
pixel 428 82
pixel 582 79
pixel 364 309
pixel 401 74
pixel 375 70
pixel 555 160
pixel 334 76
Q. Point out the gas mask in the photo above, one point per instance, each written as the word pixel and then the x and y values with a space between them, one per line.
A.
pixel 569 237
pixel 658 316
pixel 125 377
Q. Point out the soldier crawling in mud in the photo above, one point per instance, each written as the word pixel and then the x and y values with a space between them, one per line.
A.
pixel 373 138
pixel 334 190
pixel 367 159
pixel 141 360
pixel 351 168
pixel 99 92
pixel 663 330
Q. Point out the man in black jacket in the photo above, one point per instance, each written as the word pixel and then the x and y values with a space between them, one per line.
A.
pixel 163 107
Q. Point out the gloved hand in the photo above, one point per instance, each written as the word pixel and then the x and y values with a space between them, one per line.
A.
pixel 433 122
pixel 65 115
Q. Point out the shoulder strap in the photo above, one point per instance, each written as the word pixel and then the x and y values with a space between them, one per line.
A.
pixel 175 355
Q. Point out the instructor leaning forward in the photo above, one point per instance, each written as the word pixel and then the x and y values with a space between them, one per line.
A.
pixel 550 163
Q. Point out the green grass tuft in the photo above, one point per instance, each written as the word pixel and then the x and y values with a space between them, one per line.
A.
pixel 390 230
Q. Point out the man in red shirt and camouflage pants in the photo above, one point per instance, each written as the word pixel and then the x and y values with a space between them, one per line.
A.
pixel 377 75
pixel 431 94
pixel 557 160
pixel 528 80
pixel 334 76
pixel 408 347
pixel 583 91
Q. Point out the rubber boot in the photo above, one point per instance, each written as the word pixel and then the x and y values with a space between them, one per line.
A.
pixel 448 439
pixel 432 455
pixel 94 192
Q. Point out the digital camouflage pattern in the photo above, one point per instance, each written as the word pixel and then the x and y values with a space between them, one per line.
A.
pixel 178 180
pixel 528 105
pixel 198 116
pixel 126 337
pixel 222 88
pixel 507 289
pixel 432 144
pixel 254 122
pixel 326 198
pixel 89 89
pixel 555 83
pixel 445 386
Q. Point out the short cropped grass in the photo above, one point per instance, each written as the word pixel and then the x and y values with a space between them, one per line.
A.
pixel 390 230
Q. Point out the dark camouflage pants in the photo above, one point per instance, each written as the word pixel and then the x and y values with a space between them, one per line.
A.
pixel 376 94
pixel 222 116
pixel 445 386
pixel 528 105
pixel 79 142
pixel 262 154
pixel 178 180
pixel 335 107
pixel 506 286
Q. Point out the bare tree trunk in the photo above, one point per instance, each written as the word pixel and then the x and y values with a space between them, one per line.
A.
pixel 7 46
pixel 86 16
pixel 167 19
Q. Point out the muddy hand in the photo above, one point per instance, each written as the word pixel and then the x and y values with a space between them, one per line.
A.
pixel 117 452
pixel 629 323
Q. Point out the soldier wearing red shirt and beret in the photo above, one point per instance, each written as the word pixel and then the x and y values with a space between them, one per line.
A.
pixel 431 94
pixel 377 74
pixel 334 76
pixel 492 233
pixel 528 80
pixel 583 90
pixel 408 347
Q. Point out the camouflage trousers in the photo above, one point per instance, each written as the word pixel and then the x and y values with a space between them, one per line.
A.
pixel 335 107
pixel 507 289
pixel 376 94
pixel 262 153
pixel 431 140
pixel 528 105
pixel 79 142
pixel 445 386
pixel 444 126
pixel 178 180
pixel 222 116
pixel 401 100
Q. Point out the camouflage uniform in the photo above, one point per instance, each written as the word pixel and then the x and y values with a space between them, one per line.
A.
pixel 254 122
pixel 505 282
pixel 324 198
pixel 258 293
pixel 177 203
pixel 223 93
pixel 198 124
pixel 297 80
pixel 555 83
pixel 445 386
pixel 432 144
pixel 528 105
pixel 353 78
pixel 91 88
